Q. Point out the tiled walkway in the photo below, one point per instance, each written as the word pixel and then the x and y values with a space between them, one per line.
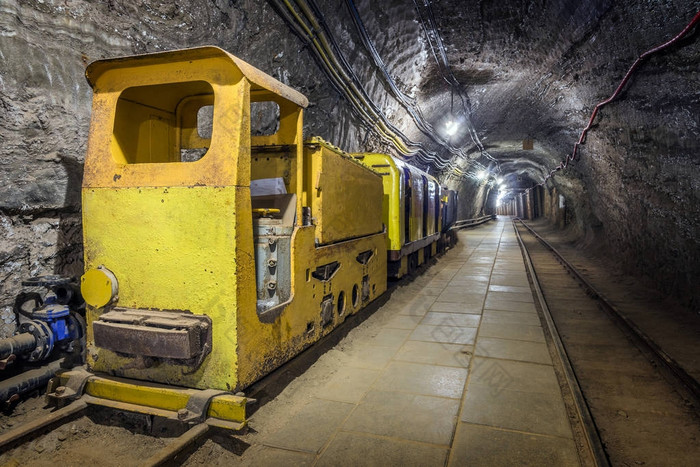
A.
pixel 453 370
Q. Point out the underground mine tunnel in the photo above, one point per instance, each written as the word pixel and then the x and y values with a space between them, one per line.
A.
pixel 398 160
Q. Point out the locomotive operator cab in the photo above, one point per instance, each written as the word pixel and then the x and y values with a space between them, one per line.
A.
pixel 213 252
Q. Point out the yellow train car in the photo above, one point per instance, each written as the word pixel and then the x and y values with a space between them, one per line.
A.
pixel 411 211
pixel 213 256
pixel 449 203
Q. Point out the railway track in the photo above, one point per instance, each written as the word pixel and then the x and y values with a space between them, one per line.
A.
pixel 637 406
pixel 176 441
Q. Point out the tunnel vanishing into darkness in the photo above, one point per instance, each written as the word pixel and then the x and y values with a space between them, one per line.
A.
pixel 488 96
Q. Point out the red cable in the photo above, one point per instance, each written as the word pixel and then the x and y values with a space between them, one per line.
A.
pixel 562 165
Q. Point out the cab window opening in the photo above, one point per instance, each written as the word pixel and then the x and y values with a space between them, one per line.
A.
pixel 163 123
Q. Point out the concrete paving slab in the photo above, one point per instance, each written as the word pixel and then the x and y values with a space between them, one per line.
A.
pixel 431 291
pixel 512 331
pixel 435 353
pixel 512 350
pixel 263 456
pixel 436 318
pixel 481 258
pixel 311 427
pixel 416 307
pixel 482 446
pixel 471 277
pixel 389 337
pixel 509 288
pixel 472 287
pixel 417 378
pixel 455 307
pixel 516 410
pixel 445 275
pixel 514 317
pixel 519 280
pixel 509 266
pixel 369 356
pixel 355 449
pixel 409 297
pixel 515 376
pixel 463 296
pixel 408 416
pixel 447 334
pixel 511 296
pixel 471 274
pixel 348 384
pixel 505 305
pixel 437 283
pixel 404 322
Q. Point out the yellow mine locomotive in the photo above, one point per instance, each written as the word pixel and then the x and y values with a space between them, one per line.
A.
pixel 213 256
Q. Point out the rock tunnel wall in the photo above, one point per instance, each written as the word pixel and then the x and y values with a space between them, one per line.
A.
pixel 45 100
pixel 640 167
pixel 536 69
pixel 532 69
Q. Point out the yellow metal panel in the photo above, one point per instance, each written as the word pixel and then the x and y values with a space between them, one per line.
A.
pixel 416 207
pixel 263 347
pixel 109 164
pixel 259 79
pixel 345 195
pixel 431 214
pixel 225 407
pixel 175 248
pixel 393 204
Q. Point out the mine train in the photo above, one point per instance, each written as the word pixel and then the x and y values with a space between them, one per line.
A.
pixel 214 254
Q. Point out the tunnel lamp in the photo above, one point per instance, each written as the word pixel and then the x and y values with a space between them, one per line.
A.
pixel 451 127
pixel 499 180
pixel 481 175
pixel 501 194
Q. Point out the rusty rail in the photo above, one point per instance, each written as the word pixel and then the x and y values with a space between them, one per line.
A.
pixel 35 426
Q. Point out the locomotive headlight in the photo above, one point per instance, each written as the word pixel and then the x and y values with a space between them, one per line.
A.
pixel 99 286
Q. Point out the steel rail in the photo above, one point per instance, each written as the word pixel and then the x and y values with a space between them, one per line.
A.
pixel 35 426
pixel 176 446
pixel 590 429
pixel 687 386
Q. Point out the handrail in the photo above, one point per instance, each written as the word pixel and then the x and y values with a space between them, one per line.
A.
pixel 472 222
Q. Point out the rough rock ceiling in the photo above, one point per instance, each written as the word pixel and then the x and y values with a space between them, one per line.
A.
pixel 534 71
pixel 511 71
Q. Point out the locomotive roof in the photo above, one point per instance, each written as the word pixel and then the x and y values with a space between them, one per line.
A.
pixel 258 79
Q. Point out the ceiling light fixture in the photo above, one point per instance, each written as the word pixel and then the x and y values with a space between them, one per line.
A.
pixel 451 127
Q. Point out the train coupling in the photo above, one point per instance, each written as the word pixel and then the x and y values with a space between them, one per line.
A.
pixel 191 406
